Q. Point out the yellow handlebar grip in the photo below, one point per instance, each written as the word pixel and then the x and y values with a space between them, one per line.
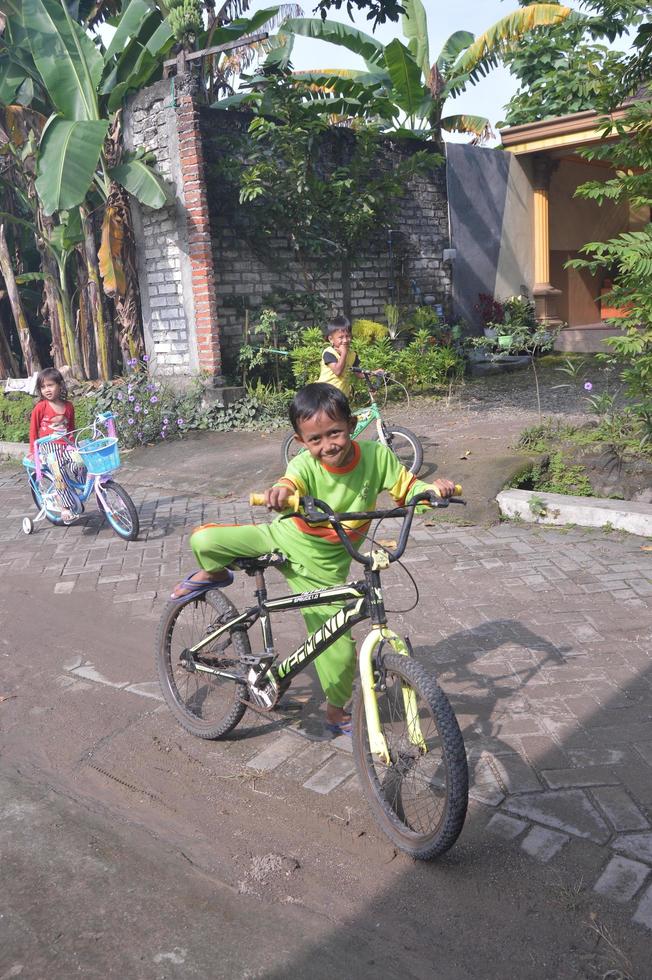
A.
pixel 258 500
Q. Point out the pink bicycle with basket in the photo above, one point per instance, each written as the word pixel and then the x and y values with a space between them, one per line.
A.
pixel 96 448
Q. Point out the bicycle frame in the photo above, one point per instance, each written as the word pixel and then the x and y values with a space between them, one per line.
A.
pixel 365 601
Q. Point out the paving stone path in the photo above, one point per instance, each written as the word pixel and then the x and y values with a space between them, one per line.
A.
pixel 541 637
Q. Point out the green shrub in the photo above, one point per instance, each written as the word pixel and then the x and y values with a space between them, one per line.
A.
pixel 368 331
pixel 306 356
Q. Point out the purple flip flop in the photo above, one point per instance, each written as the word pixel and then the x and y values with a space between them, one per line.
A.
pixel 198 589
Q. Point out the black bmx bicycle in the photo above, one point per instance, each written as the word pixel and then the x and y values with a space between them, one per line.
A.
pixel 407 744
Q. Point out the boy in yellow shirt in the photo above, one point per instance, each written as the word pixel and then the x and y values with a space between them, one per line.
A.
pixel 339 360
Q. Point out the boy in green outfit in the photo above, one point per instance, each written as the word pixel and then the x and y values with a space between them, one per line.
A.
pixel 349 476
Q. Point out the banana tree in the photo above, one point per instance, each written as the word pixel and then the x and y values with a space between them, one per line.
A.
pixel 400 88
pixel 80 86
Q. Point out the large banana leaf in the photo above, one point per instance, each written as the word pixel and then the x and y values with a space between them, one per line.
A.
pixel 141 181
pixel 69 155
pixel 478 125
pixel 129 26
pixel 415 29
pixel 346 37
pixel 67 60
pixel 12 77
pixel 408 90
pixel 481 55
pixel 241 26
pixel 458 41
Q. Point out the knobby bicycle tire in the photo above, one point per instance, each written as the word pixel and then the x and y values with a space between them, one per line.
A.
pixel 206 706
pixel 411 455
pixel 128 530
pixel 420 799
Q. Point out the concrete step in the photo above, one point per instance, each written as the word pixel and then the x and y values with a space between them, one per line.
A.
pixel 588 339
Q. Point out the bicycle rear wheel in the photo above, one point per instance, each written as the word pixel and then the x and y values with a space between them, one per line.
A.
pixel 405 445
pixel 44 495
pixel 420 798
pixel 291 448
pixel 205 705
pixel 119 510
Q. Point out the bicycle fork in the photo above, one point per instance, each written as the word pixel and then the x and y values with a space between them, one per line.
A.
pixel 377 741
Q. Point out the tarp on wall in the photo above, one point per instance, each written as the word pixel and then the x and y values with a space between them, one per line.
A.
pixel 490 209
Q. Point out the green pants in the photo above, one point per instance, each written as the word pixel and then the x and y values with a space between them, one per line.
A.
pixel 215 546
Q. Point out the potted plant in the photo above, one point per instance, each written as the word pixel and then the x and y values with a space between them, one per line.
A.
pixel 492 314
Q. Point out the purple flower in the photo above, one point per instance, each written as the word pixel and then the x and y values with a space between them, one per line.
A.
pixel 132 362
pixel 162 433
pixel 132 398
pixel 145 411
pixel 130 421
pixel 588 386
pixel 136 408
pixel 179 421
pixel 153 399
pixel 166 421
pixel 145 358
pixel 121 397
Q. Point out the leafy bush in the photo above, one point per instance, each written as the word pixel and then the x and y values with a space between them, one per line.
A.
pixel 368 330
pixel 145 410
pixel 263 356
pixel 306 356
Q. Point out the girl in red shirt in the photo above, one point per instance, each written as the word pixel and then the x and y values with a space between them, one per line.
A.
pixel 54 415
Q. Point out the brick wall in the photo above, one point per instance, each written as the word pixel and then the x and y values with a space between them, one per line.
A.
pixel 245 277
pixel 197 274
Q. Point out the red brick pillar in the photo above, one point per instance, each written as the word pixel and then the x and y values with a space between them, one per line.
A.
pixel 200 252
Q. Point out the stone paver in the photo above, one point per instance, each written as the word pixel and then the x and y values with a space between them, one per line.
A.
pixel 621 879
pixel 541 637
pixel 543 844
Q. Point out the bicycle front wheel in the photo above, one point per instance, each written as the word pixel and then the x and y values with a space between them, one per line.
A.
pixel 405 445
pixel 420 798
pixel 119 510
pixel 206 705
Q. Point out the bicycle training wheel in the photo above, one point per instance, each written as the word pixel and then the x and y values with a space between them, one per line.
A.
pixel 119 510
pixel 405 445
pixel 420 798
pixel 44 495
pixel 205 705
pixel 291 448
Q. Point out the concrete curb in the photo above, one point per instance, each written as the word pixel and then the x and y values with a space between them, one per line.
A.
pixel 555 508
pixel 14 449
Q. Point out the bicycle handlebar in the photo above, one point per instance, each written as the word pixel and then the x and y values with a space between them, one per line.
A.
pixel 315 511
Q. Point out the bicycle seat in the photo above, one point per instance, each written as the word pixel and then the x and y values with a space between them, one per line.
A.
pixel 253 565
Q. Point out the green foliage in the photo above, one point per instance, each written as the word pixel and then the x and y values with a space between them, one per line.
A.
pixel 627 259
pixel 562 70
pixel 539 438
pixel 369 330
pixel 306 356
pixel 556 474
pixel 265 352
pixel 145 411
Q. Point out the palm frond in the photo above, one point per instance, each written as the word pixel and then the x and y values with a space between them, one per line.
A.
pixel 479 126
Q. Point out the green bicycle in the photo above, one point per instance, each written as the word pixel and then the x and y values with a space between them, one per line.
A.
pixel 407 744
pixel 403 443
